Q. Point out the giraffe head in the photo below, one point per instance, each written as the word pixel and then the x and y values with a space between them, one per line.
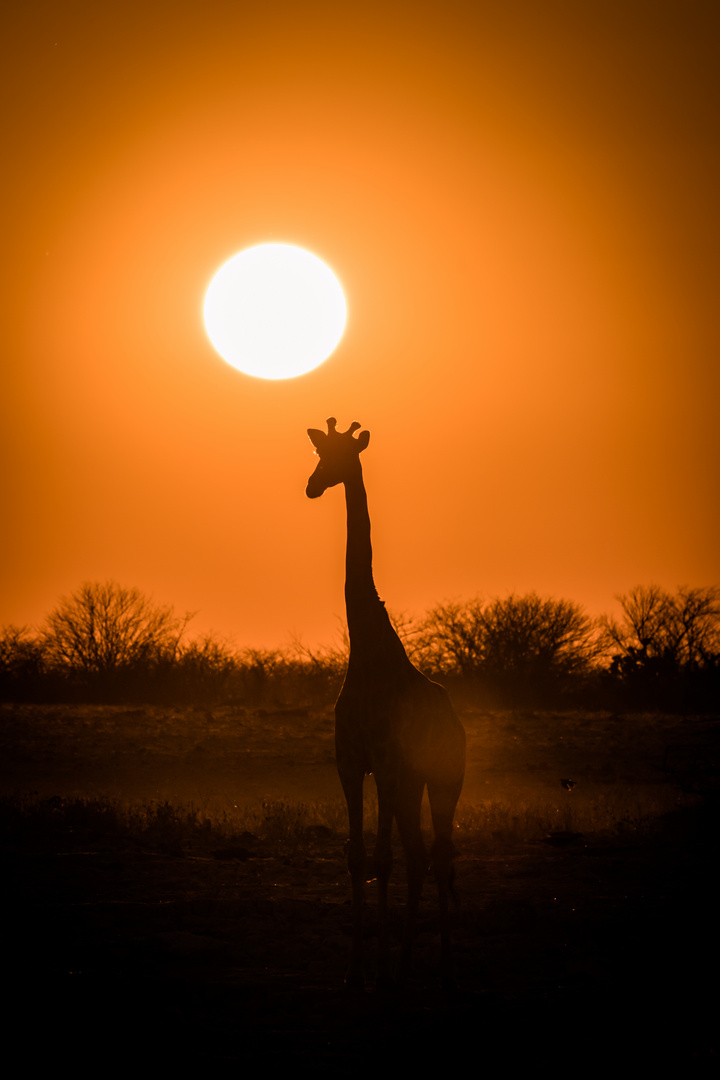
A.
pixel 339 453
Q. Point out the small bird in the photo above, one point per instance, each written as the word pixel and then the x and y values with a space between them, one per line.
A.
pixel 567 784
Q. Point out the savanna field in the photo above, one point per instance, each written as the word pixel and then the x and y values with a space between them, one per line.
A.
pixel 177 886
pixel 421 297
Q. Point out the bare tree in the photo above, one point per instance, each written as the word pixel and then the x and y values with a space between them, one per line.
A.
pixel 103 628
pixel 697 625
pixel 682 630
pixel 647 611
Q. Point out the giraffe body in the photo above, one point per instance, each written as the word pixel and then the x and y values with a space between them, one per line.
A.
pixel 391 721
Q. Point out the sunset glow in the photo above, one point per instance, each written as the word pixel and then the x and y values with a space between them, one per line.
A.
pixel 520 204
pixel 275 311
pixel 455 268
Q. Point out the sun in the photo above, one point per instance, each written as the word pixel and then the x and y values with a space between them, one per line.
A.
pixel 274 311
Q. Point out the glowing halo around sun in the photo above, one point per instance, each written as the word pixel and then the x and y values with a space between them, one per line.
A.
pixel 274 311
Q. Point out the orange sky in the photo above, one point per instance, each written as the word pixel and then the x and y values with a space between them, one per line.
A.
pixel 520 200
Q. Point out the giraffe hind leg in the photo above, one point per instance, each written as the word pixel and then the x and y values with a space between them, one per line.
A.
pixel 443 801
pixel 407 815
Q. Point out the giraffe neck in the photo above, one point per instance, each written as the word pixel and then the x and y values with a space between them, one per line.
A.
pixel 369 627
pixel 359 584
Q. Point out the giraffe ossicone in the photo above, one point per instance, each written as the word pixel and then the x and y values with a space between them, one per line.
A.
pixel 391 721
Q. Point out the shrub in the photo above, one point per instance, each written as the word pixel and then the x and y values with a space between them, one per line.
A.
pixel 22 662
pixel 518 648
pixel 104 632
pixel 665 647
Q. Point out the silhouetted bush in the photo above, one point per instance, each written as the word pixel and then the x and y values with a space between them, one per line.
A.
pixel 107 644
pixel 22 663
pixel 103 632
pixel 665 649
pixel 517 650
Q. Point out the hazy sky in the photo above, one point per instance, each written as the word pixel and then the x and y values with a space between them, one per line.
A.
pixel 520 200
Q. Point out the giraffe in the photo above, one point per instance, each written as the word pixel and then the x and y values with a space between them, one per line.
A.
pixel 391 721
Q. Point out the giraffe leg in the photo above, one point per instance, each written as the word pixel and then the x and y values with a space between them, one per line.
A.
pixel 382 859
pixel 443 800
pixel 441 859
pixel 356 860
pixel 407 816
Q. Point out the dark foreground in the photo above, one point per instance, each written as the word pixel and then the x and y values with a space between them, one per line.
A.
pixel 571 954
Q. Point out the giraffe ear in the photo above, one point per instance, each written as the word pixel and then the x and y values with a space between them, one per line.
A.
pixel 317 437
pixel 362 440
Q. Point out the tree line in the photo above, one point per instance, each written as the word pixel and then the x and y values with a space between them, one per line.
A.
pixel 107 643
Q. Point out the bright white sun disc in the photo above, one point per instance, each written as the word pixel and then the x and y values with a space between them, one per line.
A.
pixel 275 311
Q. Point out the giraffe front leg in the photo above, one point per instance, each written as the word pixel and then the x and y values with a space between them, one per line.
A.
pixel 382 859
pixel 356 862
pixel 443 801
pixel 441 855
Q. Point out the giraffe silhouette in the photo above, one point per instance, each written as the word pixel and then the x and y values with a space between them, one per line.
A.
pixel 391 721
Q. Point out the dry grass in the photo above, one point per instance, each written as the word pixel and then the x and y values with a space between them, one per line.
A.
pixel 286 827
pixel 616 761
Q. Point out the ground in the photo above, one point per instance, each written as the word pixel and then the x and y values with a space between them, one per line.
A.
pixel 213 926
